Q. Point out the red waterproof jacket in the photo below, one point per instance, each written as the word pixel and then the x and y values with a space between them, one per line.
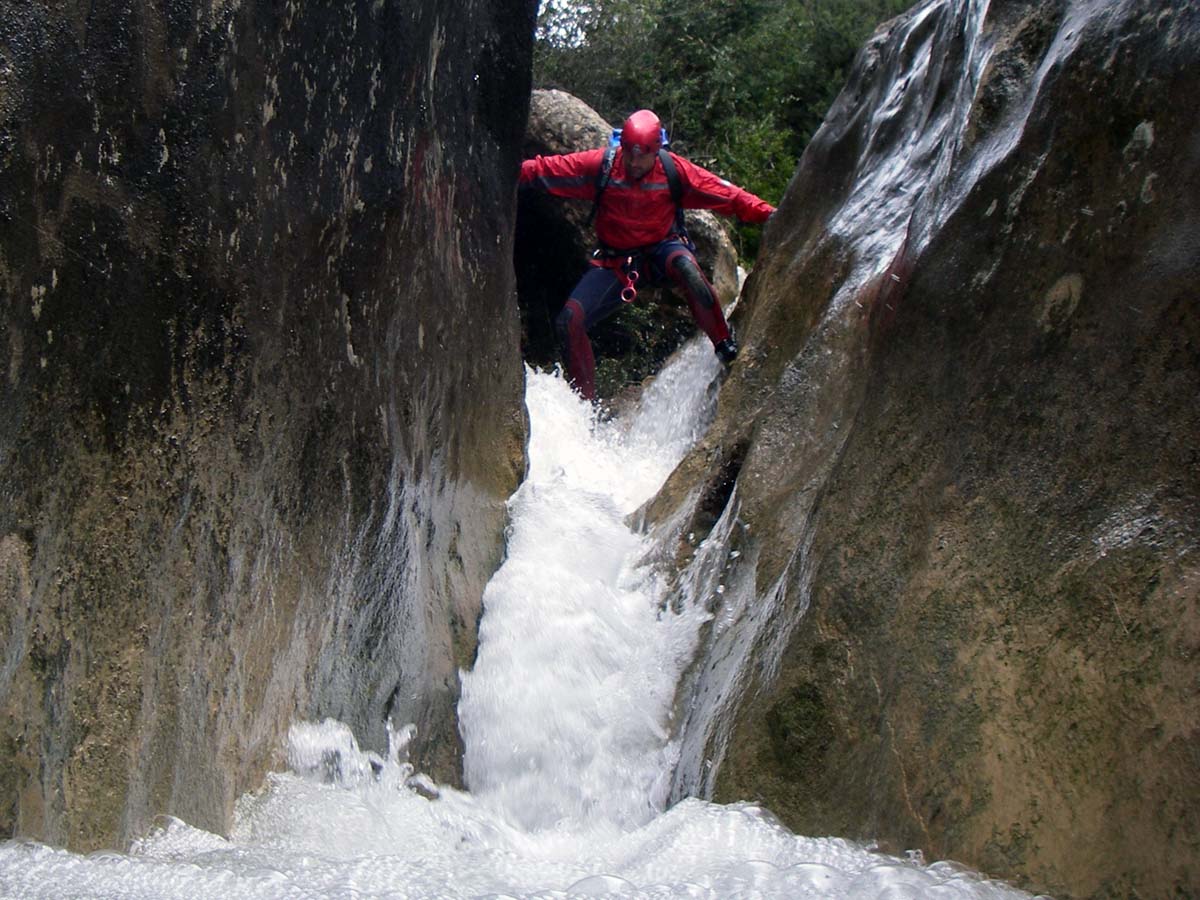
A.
pixel 639 213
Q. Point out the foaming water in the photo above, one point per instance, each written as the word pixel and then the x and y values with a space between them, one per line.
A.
pixel 567 712
pixel 567 722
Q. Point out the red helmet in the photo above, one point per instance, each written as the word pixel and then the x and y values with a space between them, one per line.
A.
pixel 642 133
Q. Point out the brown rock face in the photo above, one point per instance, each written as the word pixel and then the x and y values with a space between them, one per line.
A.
pixel 554 242
pixel 958 459
pixel 261 398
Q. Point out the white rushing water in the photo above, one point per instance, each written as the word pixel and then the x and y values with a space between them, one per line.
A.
pixel 566 719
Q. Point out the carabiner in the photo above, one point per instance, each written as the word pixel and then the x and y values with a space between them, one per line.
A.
pixel 629 292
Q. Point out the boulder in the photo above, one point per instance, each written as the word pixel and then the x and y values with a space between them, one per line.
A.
pixel 261 404
pixel 957 460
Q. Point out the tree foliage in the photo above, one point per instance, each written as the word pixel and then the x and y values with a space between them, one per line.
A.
pixel 741 85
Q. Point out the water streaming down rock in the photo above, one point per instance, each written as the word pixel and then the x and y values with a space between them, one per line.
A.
pixel 886 103
pixel 567 722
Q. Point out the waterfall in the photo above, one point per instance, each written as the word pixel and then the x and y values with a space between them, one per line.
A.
pixel 567 714
pixel 567 722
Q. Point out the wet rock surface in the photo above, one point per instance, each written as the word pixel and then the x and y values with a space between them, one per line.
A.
pixel 554 242
pixel 967 489
pixel 261 399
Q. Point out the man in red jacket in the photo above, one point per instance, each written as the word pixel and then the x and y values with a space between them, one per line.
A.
pixel 640 234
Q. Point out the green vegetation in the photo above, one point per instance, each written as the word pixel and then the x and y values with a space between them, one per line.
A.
pixel 741 85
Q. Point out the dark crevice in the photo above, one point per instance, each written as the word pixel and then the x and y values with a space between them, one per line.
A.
pixel 718 490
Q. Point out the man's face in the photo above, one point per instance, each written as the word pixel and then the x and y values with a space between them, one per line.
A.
pixel 639 162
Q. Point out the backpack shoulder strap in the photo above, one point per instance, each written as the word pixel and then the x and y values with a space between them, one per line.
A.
pixel 673 181
pixel 604 176
pixel 676 185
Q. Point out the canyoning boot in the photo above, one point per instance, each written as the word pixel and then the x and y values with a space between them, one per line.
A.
pixel 727 350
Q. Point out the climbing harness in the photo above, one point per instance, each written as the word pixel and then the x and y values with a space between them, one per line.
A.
pixel 624 266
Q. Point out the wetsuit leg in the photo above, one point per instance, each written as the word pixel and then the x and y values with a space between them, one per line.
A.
pixel 596 297
pixel 680 265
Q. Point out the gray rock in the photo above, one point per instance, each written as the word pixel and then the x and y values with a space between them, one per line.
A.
pixel 958 459
pixel 261 402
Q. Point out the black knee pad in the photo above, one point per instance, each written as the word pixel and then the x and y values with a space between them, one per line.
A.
pixel 691 277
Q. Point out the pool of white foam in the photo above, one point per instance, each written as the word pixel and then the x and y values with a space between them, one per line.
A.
pixel 358 829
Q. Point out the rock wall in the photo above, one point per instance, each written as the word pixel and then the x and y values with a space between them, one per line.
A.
pixel 261 399
pixel 957 460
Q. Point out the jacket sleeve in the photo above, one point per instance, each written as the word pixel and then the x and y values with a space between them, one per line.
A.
pixel 565 175
pixel 704 190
